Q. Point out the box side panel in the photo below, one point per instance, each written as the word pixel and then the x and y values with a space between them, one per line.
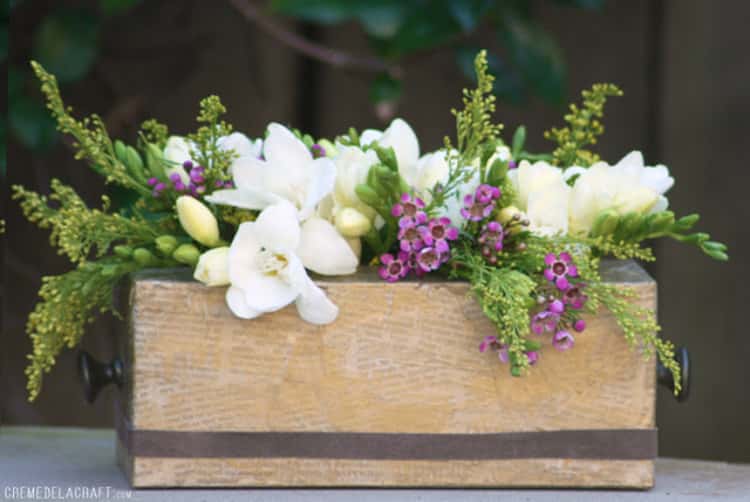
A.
pixel 152 472
pixel 401 358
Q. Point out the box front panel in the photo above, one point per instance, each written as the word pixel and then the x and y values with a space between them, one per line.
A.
pixel 401 358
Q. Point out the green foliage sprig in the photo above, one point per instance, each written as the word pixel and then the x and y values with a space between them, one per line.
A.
pixel 206 150
pixel 91 140
pixel 583 128
pixel 474 129
pixel 77 230
pixel 505 296
pixel 155 132
pixel 635 227
pixel 69 302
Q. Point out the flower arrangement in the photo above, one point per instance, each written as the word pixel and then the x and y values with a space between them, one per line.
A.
pixel 526 230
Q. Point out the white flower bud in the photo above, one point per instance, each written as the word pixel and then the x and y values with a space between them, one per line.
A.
pixel 213 267
pixel 352 223
pixel 198 221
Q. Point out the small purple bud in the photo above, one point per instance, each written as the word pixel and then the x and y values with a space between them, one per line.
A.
pixel 179 186
pixel 175 177
pixel 219 184
pixel 153 181
pixel 318 151
pixel 579 325
pixel 196 176
pixel 188 165
pixel 512 164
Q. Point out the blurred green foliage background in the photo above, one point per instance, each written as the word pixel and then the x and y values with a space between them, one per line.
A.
pixel 527 61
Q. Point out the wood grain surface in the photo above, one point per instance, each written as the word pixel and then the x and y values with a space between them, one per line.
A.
pixel 400 358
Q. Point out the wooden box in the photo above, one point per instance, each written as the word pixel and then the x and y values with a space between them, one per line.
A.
pixel 394 393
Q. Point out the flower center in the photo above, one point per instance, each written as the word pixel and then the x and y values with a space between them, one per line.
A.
pixel 477 210
pixel 438 231
pixel 271 263
pixel 410 209
pixel 559 268
pixel 411 234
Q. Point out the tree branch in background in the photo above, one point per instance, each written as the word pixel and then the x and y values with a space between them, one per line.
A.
pixel 327 55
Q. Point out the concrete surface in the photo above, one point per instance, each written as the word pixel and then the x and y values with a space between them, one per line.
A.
pixel 78 464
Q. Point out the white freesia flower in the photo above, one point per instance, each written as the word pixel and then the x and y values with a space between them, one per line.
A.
pixel 401 137
pixel 176 152
pixel 266 273
pixel 289 173
pixel 213 267
pixel 628 186
pixel 543 195
pixel 198 220
pixel 241 144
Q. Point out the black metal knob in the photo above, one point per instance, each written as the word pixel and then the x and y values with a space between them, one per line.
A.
pixel 95 375
pixel 665 378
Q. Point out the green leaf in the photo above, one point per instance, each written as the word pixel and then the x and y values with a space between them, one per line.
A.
pixel 385 89
pixel 117 7
pixel 428 24
pixel 66 43
pixel 31 124
pixel 468 13
pixel 383 19
pixel 583 4
pixel 321 11
pixel 538 58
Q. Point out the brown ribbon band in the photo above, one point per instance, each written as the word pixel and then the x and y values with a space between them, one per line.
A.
pixel 605 444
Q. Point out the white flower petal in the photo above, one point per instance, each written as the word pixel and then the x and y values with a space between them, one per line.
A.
pixel 277 227
pixel 369 135
pixel 314 306
pixel 241 144
pixel 322 177
pixel 401 137
pixel 237 304
pixel 323 250
pixel 282 149
pixel 661 205
pixel 248 172
pixel 243 198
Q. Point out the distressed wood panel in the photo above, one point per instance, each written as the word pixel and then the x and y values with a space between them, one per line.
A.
pixel 401 358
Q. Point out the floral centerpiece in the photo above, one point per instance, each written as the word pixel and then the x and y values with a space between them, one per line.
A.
pixel 257 216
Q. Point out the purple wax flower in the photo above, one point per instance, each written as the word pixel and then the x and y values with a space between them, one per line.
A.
pixel 486 194
pixel 575 297
pixel 318 151
pixel 429 259
pixel 409 209
pixel 491 241
pixel 153 181
pixel 488 342
pixel 559 268
pixel 474 210
pixel 438 232
pixel 556 307
pixel 579 325
pixel 393 269
pixel 563 340
pixel 411 239
pixel 544 322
